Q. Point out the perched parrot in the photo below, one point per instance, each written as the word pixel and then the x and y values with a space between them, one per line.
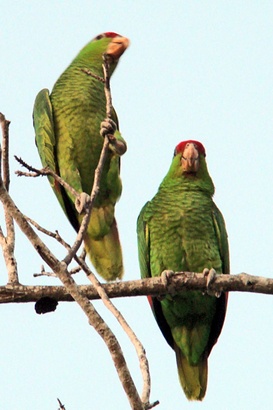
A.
pixel 67 125
pixel 181 229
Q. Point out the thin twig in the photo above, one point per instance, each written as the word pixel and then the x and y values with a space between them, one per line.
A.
pixel 58 237
pixel 97 77
pixel 44 273
pixel 44 172
pixel 98 171
pixel 62 407
pixel 72 254
pixel 86 218
pixel 144 366
pixel 107 89
pixel 41 229
pixel 143 362
pixel 33 172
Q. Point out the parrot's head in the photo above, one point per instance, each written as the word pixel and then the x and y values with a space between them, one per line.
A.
pixel 190 153
pixel 111 45
pixel 117 45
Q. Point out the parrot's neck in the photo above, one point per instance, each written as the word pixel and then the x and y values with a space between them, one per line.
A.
pixel 188 183
pixel 179 181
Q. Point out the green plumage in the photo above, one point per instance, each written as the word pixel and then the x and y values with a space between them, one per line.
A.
pixel 181 229
pixel 67 125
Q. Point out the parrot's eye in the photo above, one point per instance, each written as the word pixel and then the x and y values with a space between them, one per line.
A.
pixel 99 37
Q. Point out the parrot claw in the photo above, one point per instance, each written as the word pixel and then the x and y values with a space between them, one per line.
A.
pixel 82 202
pixel 116 145
pixel 165 277
pixel 107 127
pixel 211 275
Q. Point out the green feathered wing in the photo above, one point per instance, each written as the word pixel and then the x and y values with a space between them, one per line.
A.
pixel 67 127
pixel 181 229
pixel 45 139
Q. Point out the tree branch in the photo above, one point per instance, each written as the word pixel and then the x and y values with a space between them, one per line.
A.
pixel 181 281
pixel 144 365
pixel 60 269
pixel 62 407
pixel 8 242
pixel 143 361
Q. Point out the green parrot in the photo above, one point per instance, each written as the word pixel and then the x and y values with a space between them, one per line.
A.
pixel 69 138
pixel 181 229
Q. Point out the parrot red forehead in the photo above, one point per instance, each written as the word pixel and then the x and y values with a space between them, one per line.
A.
pixel 108 34
pixel 181 146
pixel 111 34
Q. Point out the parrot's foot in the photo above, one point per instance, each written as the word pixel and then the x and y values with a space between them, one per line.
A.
pixel 166 276
pixel 107 129
pixel 116 145
pixel 211 275
pixel 82 202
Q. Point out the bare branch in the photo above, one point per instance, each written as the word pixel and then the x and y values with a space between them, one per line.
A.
pixel 62 407
pixel 8 242
pixel 60 268
pixel 179 282
pixel 97 77
pixel 58 237
pixel 33 172
pixel 105 332
pixel 99 168
pixel 72 254
pixel 107 90
pixel 5 150
pixel 144 366
pixel 44 172
pixel 143 362
pixel 86 218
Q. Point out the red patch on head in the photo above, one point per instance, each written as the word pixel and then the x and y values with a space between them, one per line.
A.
pixel 111 34
pixel 108 34
pixel 181 146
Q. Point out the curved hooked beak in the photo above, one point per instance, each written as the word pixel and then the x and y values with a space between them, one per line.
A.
pixel 117 47
pixel 190 159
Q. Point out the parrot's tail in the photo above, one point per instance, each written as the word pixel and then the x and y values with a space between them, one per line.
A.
pixel 193 378
pixel 105 253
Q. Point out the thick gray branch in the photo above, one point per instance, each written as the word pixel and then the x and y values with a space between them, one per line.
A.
pixel 152 286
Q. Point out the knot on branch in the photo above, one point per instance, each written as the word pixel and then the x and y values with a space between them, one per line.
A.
pixel 82 202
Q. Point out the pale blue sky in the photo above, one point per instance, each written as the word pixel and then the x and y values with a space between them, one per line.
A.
pixel 200 70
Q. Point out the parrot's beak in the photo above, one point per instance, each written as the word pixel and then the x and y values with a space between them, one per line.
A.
pixel 117 47
pixel 190 159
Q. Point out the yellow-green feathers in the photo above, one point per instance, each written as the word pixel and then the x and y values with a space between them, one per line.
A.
pixel 67 125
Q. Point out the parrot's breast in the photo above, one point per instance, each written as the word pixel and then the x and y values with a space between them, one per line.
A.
pixel 182 233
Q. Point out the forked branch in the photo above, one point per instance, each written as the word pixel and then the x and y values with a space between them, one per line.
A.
pixel 60 269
